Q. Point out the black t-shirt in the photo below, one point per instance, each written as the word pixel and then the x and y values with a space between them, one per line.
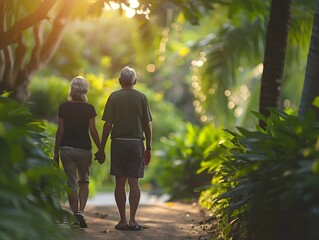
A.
pixel 76 117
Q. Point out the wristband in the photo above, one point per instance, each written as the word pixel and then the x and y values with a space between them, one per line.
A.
pixel 148 148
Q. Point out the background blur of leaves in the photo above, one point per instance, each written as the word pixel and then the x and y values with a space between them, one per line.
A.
pixel 199 79
pixel 172 64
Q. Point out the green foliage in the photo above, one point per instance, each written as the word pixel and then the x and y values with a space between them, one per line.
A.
pixel 47 93
pixel 316 102
pixel 103 45
pixel 265 183
pixel 232 51
pixel 126 45
pixel 30 185
pixel 166 118
pixel 181 157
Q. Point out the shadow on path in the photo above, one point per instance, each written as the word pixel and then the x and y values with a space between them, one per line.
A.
pixel 161 221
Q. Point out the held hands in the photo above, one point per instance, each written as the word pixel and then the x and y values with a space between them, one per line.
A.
pixel 100 156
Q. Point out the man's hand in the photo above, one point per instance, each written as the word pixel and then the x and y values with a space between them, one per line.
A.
pixel 147 156
pixel 100 157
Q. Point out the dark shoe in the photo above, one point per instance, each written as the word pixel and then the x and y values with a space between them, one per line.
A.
pixel 135 227
pixel 81 219
pixel 121 227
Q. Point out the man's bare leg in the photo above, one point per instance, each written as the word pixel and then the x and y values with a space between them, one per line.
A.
pixel 120 198
pixel 134 199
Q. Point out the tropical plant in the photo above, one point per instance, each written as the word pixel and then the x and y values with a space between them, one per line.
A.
pixel 265 183
pixel 231 57
pixel 30 184
pixel 180 158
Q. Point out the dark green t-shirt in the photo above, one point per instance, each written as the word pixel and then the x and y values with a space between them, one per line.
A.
pixel 128 111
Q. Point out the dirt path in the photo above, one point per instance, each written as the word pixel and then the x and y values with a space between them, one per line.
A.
pixel 164 221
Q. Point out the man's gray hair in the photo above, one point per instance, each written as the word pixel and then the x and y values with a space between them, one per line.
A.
pixel 128 76
pixel 78 89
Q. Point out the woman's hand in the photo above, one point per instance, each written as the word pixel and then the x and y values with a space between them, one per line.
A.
pixel 100 157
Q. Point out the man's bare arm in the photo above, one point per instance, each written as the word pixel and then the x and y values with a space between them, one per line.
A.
pixel 148 142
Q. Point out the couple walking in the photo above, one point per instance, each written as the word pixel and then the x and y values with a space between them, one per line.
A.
pixel 128 119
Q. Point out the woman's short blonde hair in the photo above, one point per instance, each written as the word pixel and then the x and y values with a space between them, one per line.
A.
pixel 78 89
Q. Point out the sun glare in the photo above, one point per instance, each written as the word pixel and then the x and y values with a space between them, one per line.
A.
pixel 134 4
pixel 114 5
pixel 130 12
pixel 151 68
pixel 131 8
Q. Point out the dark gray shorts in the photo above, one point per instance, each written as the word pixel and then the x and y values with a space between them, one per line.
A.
pixel 127 158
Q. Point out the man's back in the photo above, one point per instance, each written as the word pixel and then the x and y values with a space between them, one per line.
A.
pixel 128 111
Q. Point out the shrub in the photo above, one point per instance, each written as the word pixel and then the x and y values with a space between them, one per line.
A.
pixel 30 186
pixel 47 93
pixel 266 182
pixel 180 160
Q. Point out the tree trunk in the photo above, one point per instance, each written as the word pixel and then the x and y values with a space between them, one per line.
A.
pixel 311 83
pixel 15 72
pixel 274 59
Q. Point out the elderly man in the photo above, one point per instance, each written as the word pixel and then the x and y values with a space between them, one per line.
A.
pixel 128 118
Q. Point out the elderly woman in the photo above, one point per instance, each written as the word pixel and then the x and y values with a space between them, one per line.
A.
pixel 76 121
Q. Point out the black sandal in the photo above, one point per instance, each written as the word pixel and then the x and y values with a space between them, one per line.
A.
pixel 136 227
pixel 121 227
